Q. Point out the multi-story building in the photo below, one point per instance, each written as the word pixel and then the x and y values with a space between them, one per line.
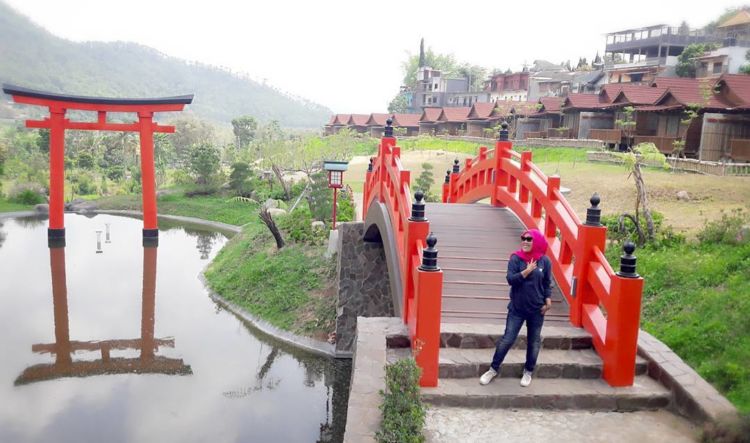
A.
pixel 508 86
pixel 435 90
pixel 640 55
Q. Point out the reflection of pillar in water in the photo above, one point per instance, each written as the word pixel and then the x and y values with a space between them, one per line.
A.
pixel 99 242
pixel 106 234
pixel 149 303
pixel 60 304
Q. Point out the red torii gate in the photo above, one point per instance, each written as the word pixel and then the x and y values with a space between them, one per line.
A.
pixel 59 104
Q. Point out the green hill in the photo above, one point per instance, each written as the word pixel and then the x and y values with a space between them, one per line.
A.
pixel 32 57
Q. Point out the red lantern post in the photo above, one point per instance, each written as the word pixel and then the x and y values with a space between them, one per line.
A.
pixel 335 171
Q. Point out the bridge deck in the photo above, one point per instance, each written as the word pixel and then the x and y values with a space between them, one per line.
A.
pixel 475 242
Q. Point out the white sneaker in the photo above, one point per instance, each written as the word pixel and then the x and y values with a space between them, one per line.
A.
pixel 487 376
pixel 526 379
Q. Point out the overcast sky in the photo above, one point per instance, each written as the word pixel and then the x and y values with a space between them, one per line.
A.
pixel 347 54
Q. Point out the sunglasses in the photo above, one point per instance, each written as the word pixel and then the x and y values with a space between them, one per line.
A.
pixel 527 238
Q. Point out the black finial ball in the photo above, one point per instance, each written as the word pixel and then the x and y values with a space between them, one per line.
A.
pixel 504 125
pixel 455 162
pixel 629 247
pixel 595 200
pixel 448 172
pixel 419 195
pixel 389 122
pixel 431 240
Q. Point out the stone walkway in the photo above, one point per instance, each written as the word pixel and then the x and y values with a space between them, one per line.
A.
pixel 450 424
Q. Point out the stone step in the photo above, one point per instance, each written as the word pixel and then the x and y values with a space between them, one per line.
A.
pixel 484 335
pixel 551 363
pixel 549 393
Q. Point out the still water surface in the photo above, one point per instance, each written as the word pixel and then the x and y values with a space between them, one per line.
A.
pixel 124 345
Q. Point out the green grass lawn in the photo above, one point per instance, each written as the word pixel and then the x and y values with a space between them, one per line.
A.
pixel 697 301
pixel 286 288
pixel 6 206
pixel 213 207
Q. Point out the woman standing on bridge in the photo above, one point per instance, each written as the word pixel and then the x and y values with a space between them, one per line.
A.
pixel 529 277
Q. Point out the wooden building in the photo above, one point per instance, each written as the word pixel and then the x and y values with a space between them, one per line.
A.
pixel 452 121
pixel 428 121
pixel 410 122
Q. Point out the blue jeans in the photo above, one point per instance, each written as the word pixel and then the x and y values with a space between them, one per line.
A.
pixel 534 322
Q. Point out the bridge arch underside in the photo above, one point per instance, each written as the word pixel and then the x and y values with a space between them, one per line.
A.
pixel 379 229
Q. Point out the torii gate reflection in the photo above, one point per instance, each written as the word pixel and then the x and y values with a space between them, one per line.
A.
pixel 63 348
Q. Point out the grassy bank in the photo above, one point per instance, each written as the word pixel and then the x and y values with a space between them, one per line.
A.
pixel 7 206
pixel 288 288
pixel 697 301
pixel 208 207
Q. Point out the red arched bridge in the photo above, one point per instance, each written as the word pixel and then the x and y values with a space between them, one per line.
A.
pixel 468 284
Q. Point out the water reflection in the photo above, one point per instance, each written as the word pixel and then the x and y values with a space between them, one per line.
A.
pixel 147 362
pixel 205 241
pixel 243 387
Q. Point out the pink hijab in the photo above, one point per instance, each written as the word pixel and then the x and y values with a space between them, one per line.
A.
pixel 538 246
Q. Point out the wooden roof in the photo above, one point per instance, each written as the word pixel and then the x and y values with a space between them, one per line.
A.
pixel 358 120
pixel 430 115
pixel 454 115
pixel 406 120
pixel 377 119
pixel 481 111
pixel 550 105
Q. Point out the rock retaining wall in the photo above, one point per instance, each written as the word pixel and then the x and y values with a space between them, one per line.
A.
pixel 363 285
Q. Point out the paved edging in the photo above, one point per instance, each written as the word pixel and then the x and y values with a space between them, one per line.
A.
pixel 368 376
pixel 198 221
pixel 4 215
pixel 692 396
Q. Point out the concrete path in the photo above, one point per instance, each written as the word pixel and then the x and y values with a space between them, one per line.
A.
pixel 450 424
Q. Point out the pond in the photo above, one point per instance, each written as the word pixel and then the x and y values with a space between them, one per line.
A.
pixel 111 341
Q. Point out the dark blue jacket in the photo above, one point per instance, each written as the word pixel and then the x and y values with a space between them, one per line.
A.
pixel 527 295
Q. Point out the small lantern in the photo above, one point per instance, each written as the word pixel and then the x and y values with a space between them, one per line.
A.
pixel 335 180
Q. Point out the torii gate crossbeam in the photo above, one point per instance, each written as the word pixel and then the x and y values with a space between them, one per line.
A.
pixel 59 104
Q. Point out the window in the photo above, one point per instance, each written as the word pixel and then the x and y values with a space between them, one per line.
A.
pixel 717 67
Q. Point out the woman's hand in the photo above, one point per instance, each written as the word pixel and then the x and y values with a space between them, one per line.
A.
pixel 529 268
pixel 547 306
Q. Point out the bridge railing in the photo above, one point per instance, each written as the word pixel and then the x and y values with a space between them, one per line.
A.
pixel 605 303
pixel 388 182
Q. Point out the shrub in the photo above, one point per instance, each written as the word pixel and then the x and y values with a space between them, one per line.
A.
pixel 619 232
pixel 725 230
pixel 27 196
pixel 115 173
pixel 297 226
pixel 403 410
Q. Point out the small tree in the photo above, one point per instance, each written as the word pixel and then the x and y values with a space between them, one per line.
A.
pixel 204 162
pixel 627 123
pixel 244 129
pixel 266 218
pixel 424 182
pixel 634 159
pixel 320 199
pixel 238 178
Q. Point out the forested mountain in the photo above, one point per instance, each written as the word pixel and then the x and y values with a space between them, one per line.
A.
pixel 32 57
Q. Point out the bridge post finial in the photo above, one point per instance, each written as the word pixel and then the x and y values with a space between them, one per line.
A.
pixel 448 176
pixel 628 261
pixel 417 207
pixel 456 167
pixel 388 132
pixel 429 255
pixel 594 213
pixel 369 167
pixel 503 136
